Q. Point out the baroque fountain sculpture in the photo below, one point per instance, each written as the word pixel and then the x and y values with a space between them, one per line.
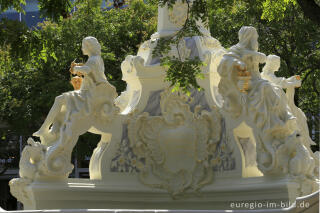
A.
pixel 241 139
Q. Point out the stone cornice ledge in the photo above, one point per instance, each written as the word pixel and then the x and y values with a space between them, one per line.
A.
pixel 312 199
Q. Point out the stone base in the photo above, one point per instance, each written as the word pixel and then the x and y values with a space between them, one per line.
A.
pixel 246 193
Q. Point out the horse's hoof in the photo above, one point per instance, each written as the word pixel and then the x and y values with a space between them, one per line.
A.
pixel 38 133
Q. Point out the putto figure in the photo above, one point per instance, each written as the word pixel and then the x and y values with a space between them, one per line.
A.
pixel 267 110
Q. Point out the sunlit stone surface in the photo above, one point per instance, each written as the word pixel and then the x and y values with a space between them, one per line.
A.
pixel 241 140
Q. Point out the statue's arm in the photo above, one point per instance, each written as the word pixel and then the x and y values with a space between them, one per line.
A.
pixel 82 69
pixel 292 82
pixel 260 57
pixel 88 67
pixel 280 81
pixel 284 82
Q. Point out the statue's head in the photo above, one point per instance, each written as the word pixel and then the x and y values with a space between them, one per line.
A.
pixel 90 45
pixel 272 64
pixel 248 38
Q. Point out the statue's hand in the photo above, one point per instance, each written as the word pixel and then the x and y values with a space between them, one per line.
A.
pixel 71 70
pixel 297 83
pixel 74 71
pixel 240 66
pixel 79 73
pixel 294 81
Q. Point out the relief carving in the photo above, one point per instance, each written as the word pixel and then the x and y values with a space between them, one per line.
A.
pixel 178 14
pixel 175 146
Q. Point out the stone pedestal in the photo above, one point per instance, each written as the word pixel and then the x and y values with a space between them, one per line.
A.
pixel 226 193
pixel 226 147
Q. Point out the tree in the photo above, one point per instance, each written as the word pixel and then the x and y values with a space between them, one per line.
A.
pixel 277 9
pixel 279 24
pixel 182 73
pixel 16 4
pixel 118 3
pixel 34 66
pixel 54 9
pixel 299 49
pixel 311 9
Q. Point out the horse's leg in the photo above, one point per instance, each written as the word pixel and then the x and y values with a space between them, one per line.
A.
pixel 58 156
pixel 54 111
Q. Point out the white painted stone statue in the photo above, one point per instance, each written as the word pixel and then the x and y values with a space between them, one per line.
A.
pixel 268 73
pixel 272 65
pixel 81 100
pixel 242 139
pixel 263 106
pixel 90 108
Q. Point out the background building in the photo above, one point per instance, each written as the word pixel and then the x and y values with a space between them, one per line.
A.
pixel 32 14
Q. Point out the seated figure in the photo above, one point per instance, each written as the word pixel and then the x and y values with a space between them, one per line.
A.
pixel 280 142
pixel 240 76
pixel 90 107
pixel 78 100
pixel 268 73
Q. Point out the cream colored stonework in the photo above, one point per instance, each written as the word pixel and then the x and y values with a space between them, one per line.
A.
pixel 241 139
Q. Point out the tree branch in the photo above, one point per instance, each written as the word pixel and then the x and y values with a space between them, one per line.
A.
pixel 310 9
pixel 315 88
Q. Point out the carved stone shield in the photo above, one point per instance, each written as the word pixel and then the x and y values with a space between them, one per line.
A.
pixel 174 145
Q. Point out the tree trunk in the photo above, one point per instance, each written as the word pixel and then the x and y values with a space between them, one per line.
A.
pixel 310 9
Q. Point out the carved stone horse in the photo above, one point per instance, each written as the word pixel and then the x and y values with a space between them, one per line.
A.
pixel 103 119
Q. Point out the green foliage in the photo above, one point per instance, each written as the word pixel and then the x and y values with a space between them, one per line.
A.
pixel 54 9
pixel 11 34
pixel 6 62
pixel 35 71
pixel 292 37
pixel 182 72
pixel 34 63
pixel 15 4
pixel 275 10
